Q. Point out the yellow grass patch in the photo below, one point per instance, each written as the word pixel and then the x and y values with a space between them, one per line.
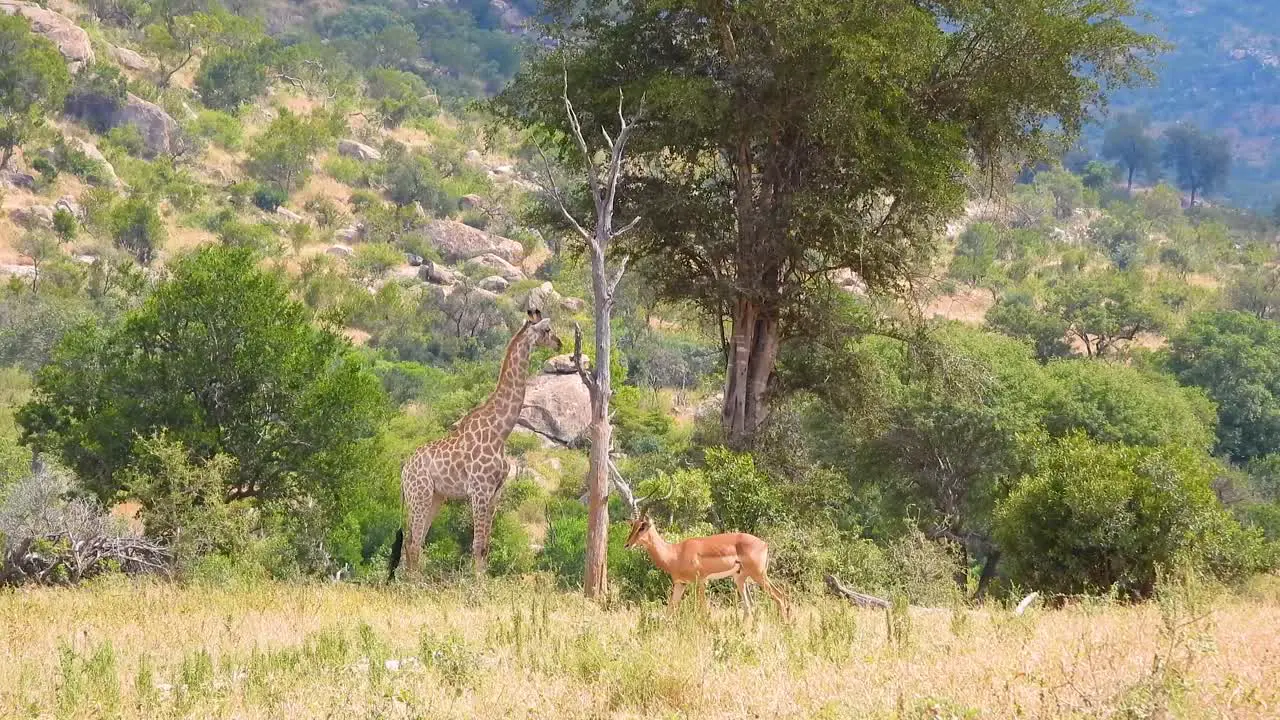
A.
pixel 516 649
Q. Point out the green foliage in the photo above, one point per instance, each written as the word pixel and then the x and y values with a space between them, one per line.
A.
pixel 269 197
pixel 398 95
pixel 222 360
pixel 1102 309
pixel 1128 143
pixel 1066 188
pixel 184 501
pixel 374 260
pixel 65 225
pixel 1116 403
pixel 135 227
pixel 33 82
pixel 975 253
pixel 1235 358
pixel 282 153
pixel 96 94
pixel 1121 242
pixel 743 498
pixel 1199 161
pixel 413 177
pixel 230 78
pixel 1017 316
pixel 220 127
pixel 1096 517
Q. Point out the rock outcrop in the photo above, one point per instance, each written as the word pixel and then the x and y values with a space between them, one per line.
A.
pixel 34 217
pixel 130 60
pixel 436 274
pixel 71 40
pixel 563 365
pixel 544 297
pixel 92 152
pixel 358 150
pixel 501 267
pixel 458 242
pixel 558 407
pixel 159 130
pixel 494 283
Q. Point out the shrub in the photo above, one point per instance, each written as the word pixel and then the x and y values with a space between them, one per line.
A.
pixel 1096 517
pixel 219 127
pixel 136 228
pixel 65 224
pixel 233 77
pixel 97 92
pixel 269 197
pixel 743 497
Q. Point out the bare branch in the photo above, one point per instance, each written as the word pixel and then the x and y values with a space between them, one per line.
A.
pixel 626 228
pixel 554 192
pixel 587 379
pixel 617 278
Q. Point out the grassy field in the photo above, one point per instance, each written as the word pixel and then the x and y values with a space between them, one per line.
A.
pixel 518 649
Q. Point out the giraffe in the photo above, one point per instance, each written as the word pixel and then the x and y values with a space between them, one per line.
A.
pixel 468 462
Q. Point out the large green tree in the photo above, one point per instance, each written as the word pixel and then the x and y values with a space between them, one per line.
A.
pixel 1128 143
pixel 33 81
pixel 788 138
pixel 1200 161
pixel 1235 357
pixel 222 360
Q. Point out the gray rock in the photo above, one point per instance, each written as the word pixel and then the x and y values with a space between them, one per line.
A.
pixel 468 202
pixel 563 365
pixel 69 204
pixel 15 179
pixel 91 151
pixel 436 274
pixel 348 234
pixel 33 217
pixel 494 283
pixel 70 39
pixel 129 59
pixel 413 260
pixel 358 150
pixel 557 407
pixel 543 297
pixel 458 242
pixel 340 251
pixel 573 304
pixel 160 132
pixel 288 214
pixel 502 267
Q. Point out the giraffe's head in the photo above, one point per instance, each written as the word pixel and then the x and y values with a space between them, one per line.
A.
pixel 543 335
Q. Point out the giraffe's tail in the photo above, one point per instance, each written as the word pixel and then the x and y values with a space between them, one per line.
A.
pixel 396 547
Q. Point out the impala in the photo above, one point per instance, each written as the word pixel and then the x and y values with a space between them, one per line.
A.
pixel 741 556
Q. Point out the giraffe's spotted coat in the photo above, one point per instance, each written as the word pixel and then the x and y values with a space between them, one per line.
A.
pixel 469 462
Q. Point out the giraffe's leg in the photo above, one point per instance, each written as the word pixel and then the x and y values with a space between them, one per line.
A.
pixel 482 510
pixel 420 517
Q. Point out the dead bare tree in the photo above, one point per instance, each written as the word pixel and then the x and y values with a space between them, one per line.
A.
pixel 603 185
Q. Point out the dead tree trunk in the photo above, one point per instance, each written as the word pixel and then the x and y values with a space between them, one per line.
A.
pixel 603 184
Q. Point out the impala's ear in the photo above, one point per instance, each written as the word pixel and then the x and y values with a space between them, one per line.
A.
pixel 537 314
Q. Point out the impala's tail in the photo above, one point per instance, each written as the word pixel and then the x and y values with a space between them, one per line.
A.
pixel 396 547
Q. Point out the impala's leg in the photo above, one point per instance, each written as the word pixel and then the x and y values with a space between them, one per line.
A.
pixel 776 594
pixel 421 514
pixel 677 592
pixel 743 596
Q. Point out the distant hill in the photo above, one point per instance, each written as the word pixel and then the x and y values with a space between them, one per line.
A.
pixel 1224 75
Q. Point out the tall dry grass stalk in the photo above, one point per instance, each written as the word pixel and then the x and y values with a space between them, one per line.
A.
pixel 518 649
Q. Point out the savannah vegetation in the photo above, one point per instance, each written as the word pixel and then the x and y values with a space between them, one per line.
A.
pixel 902 325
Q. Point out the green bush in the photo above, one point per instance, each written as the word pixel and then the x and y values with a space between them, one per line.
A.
pixel 269 197
pixel 743 497
pixel 1095 518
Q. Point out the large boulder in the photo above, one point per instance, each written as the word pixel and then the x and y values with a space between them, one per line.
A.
pixel 358 150
pixel 557 407
pixel 34 217
pixel 563 365
pixel 160 132
pixel 68 204
pixel 92 152
pixel 501 267
pixel 15 179
pixel 72 41
pixel 129 60
pixel 494 283
pixel 458 242
pixel 543 297
pixel 436 274
pixel 289 215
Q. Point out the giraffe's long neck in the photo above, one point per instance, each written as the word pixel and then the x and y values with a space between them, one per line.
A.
pixel 508 398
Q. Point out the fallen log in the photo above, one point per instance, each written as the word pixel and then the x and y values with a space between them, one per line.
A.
pixel 853 596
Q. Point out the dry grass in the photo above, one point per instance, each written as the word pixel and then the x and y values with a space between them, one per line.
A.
pixel 517 649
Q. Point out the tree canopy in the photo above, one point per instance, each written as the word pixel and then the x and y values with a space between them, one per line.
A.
pixel 792 138
pixel 1199 161
pixel 222 360
pixel 33 80
pixel 1128 143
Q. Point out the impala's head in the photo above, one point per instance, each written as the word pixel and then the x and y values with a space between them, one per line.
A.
pixel 640 527
pixel 543 335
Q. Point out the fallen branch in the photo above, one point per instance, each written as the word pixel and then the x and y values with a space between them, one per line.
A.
pixel 1026 603
pixel 857 598
pixel 62 559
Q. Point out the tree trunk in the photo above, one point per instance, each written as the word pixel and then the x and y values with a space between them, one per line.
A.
pixel 988 574
pixel 753 352
pixel 1130 187
pixel 1193 197
pixel 596 581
